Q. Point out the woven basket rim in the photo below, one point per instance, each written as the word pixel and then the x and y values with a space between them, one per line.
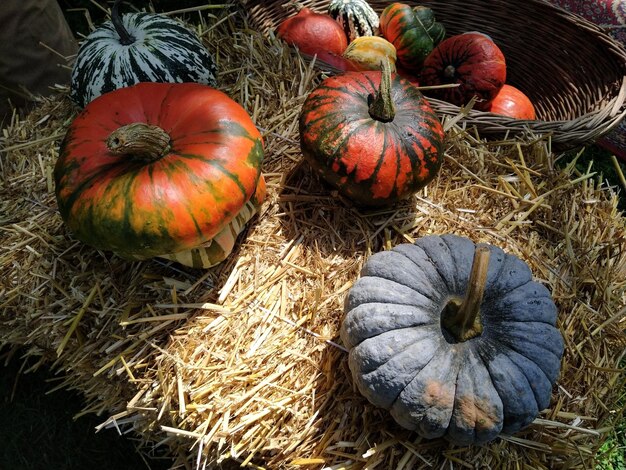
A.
pixel 565 133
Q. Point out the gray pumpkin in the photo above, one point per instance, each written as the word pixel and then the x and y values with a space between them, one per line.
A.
pixel 409 356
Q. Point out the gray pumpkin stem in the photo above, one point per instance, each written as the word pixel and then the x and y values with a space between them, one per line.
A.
pixel 382 107
pixel 125 37
pixel 139 140
pixel 463 321
pixel 449 72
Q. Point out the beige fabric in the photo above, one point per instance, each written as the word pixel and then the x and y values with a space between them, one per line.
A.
pixel 30 30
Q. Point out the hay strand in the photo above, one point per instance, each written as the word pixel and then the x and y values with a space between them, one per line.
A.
pixel 242 363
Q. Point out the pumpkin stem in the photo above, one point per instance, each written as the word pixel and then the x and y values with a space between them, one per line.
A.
pixel 382 107
pixel 125 37
pixel 295 4
pixel 449 72
pixel 462 319
pixel 139 140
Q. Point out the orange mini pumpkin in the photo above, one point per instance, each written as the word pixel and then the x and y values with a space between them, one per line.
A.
pixel 512 102
pixel 313 33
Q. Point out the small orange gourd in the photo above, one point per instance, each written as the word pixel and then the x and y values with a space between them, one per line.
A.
pixel 512 102
pixel 313 32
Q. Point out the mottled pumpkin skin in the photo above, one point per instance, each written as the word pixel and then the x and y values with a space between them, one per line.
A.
pixel 471 60
pixel 372 163
pixel 403 360
pixel 141 209
pixel 163 51
pixel 413 31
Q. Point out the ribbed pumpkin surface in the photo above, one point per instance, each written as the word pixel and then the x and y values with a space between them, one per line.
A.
pixel 403 359
pixel 369 161
pixel 470 60
pixel 141 209
pixel 413 31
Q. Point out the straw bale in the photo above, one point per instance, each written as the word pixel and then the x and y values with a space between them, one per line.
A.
pixel 241 364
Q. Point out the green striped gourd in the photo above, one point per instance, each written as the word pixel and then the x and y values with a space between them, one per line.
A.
pixel 356 17
pixel 138 47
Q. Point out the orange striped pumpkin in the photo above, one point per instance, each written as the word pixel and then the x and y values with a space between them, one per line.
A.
pixel 374 150
pixel 157 168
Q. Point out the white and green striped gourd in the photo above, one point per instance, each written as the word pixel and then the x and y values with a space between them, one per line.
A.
pixel 138 47
pixel 356 17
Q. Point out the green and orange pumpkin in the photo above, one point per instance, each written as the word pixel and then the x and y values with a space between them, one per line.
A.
pixel 372 135
pixel 413 31
pixel 158 169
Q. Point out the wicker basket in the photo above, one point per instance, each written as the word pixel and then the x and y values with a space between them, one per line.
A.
pixel 570 68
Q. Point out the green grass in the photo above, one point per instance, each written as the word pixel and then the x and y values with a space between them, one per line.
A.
pixel 599 160
pixel 612 455
pixel 38 430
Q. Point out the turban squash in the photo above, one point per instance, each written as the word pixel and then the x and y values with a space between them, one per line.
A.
pixel 138 47
pixel 161 169
pixel 454 345
pixel 372 135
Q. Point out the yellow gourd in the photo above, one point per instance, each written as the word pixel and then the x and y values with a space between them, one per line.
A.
pixel 368 53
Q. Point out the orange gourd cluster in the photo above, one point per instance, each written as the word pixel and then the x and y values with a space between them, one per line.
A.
pixel 461 68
